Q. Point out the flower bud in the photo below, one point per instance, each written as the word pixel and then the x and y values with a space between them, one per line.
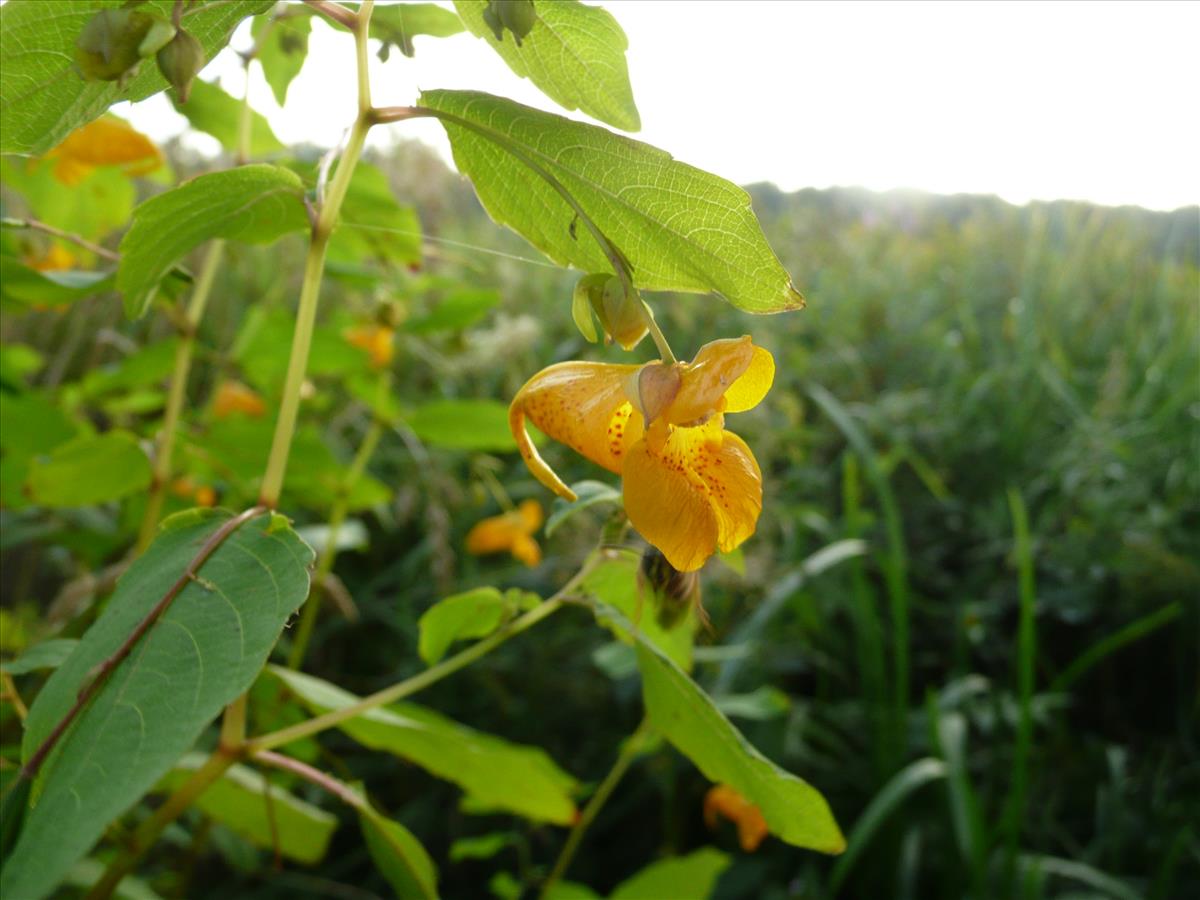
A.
pixel 115 41
pixel 180 61
pixel 624 316
pixel 674 593
pixel 518 16
pixel 583 303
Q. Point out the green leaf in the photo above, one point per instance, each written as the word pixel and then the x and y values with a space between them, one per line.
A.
pixel 761 704
pixel 285 48
pixel 204 651
pixel 795 812
pixel 239 800
pixel 373 224
pixel 26 285
pixel 399 23
pixel 587 493
pixel 483 847
pixel 47 655
pixel 32 422
pixel 681 229
pixel 575 54
pixel 17 363
pixel 43 98
pixel 463 424
pixel 472 614
pixel 690 877
pixel 148 366
pixel 457 312
pixel 87 872
pixel 93 208
pixel 90 470
pixel 570 890
pixel 256 204
pixel 211 110
pixel 615 583
pixel 397 854
pixel 500 774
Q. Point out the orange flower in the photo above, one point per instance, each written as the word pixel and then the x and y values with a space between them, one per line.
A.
pixel 108 141
pixel 234 397
pixel 183 487
pixel 376 340
pixel 723 801
pixel 511 531
pixel 690 486
pixel 55 259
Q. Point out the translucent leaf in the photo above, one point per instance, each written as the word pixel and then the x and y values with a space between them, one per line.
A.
pixel 397 854
pixel 614 582
pixel 575 54
pixel 463 424
pixel 502 775
pixel 472 614
pixel 399 23
pixel 211 110
pixel 681 228
pixel 90 470
pixel 256 204
pixel 285 48
pixel 239 800
pixel 204 651
pixel 691 876
pixel 43 98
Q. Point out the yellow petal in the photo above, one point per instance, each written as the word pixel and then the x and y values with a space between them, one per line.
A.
pixel 107 141
pixel 668 508
pixel 748 390
pixel 531 515
pixel 735 484
pixel 376 340
pixel 706 379
pixel 582 405
pixel 494 534
pixel 525 549
pixel 234 397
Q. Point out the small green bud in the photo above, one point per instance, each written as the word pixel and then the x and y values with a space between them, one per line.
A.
pixel 180 61
pixel 115 41
pixel 518 16
pixel 583 303
pixel 623 315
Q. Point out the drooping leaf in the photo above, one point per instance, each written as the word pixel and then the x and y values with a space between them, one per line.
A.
pixel 691 876
pixel 43 98
pixel 398 854
pixel 239 800
pixel 499 774
pixel 202 653
pixel 26 285
pixel 463 424
pixel 682 229
pixel 211 110
pixel 47 655
pixel 575 54
pixel 398 23
pixel 687 717
pixel 472 614
pixel 257 204
pixel 282 53
pixel 90 470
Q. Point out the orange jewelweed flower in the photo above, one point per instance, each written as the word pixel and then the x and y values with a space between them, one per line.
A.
pixel 55 259
pixel 511 531
pixel 234 397
pixel 723 801
pixel 376 340
pixel 690 486
pixel 108 141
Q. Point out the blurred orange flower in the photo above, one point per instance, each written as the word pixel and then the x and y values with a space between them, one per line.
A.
pixel 55 259
pixel 108 141
pixel 690 486
pixel 722 801
pixel 511 531
pixel 204 495
pixel 234 397
pixel 376 340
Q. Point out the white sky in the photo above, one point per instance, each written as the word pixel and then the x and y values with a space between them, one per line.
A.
pixel 1091 101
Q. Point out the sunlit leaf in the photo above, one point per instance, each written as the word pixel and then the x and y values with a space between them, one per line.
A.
pixel 472 614
pixel 691 876
pixel 681 229
pixel 211 110
pixel 43 98
pixel 283 51
pixel 615 582
pixel 256 204
pixel 398 23
pixel 463 424
pixel 500 774
pixel 575 54
pixel 204 651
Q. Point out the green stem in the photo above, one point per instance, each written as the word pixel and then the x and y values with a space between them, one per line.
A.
pixel 337 517
pixel 421 680
pixel 314 267
pixel 629 752
pixel 177 393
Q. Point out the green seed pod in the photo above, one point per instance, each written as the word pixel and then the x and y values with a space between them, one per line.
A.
pixel 115 41
pixel 491 18
pixel 624 316
pixel 675 593
pixel 180 61
pixel 518 16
